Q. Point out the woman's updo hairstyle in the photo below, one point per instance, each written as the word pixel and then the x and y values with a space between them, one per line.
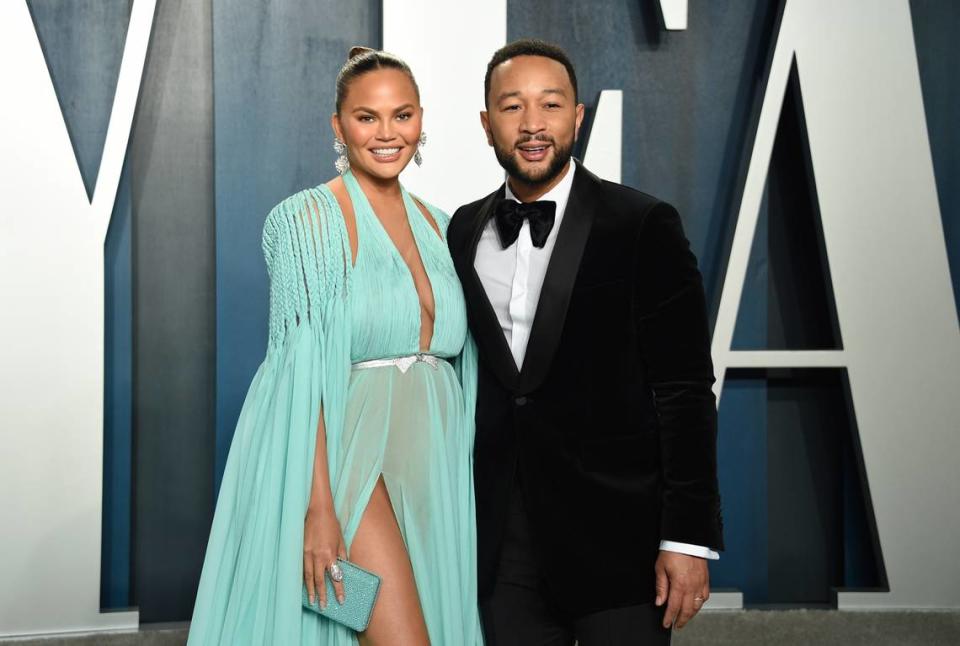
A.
pixel 361 60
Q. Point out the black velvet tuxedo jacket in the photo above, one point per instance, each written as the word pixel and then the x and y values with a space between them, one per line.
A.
pixel 611 423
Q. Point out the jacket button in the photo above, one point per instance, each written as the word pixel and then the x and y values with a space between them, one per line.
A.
pixel 520 401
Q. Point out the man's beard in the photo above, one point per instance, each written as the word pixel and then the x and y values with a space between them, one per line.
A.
pixel 561 155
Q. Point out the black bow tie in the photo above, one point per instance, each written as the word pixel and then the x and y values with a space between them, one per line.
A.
pixel 510 215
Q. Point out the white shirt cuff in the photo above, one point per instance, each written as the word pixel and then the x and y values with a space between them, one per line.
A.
pixel 687 548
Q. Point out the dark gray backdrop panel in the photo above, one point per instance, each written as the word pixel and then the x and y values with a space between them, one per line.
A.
pixel 173 253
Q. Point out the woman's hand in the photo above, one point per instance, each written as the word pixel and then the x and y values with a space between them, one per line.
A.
pixel 322 544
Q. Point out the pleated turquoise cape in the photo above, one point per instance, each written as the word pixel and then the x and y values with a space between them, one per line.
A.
pixel 250 586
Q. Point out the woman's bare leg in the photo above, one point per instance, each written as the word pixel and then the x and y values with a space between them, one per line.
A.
pixel 378 546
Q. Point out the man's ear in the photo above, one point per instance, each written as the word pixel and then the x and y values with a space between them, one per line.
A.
pixel 580 112
pixel 485 122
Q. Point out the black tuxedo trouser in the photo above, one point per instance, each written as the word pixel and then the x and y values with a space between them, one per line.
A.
pixel 519 612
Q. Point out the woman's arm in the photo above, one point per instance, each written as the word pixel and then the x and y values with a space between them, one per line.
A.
pixel 304 244
pixel 321 498
pixel 322 537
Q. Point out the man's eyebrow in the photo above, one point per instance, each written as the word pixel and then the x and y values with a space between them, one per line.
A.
pixel 549 90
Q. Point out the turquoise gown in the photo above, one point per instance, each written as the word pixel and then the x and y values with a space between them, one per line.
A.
pixel 414 427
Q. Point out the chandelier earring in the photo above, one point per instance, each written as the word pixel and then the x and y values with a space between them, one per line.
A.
pixel 342 163
pixel 418 158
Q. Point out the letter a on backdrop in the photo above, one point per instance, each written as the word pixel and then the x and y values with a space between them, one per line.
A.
pixel 857 68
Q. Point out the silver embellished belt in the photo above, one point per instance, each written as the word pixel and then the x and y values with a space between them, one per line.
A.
pixel 402 363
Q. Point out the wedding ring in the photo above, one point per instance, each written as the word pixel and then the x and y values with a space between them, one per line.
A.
pixel 336 573
pixel 699 599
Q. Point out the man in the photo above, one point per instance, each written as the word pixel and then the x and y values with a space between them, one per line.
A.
pixel 595 456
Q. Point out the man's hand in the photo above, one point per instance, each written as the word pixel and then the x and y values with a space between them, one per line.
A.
pixel 683 583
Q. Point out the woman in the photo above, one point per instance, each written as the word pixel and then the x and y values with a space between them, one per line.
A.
pixel 356 434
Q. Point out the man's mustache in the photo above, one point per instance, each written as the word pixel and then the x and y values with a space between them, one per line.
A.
pixel 545 138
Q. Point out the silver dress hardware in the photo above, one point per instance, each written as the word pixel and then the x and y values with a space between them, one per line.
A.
pixel 402 363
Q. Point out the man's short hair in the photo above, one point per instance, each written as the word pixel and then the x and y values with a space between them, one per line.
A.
pixel 528 47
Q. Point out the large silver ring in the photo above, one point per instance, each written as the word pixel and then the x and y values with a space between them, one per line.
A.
pixel 700 599
pixel 335 572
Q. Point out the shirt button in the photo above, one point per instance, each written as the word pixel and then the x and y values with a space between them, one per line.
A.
pixel 520 401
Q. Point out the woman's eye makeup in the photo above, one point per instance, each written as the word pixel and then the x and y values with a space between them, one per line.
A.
pixel 367 118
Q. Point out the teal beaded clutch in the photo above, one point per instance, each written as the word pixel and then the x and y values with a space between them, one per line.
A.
pixel 360 589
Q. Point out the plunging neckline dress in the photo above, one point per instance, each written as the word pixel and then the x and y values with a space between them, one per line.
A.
pixel 412 425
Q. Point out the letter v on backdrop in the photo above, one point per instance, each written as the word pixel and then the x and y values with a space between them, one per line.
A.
pixel 51 356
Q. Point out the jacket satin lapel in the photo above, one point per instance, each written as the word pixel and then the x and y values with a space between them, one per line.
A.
pixel 559 280
pixel 487 331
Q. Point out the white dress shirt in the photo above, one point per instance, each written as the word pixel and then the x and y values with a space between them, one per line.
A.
pixel 512 279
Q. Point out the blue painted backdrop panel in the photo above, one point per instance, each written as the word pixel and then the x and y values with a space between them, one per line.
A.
pixel 686 95
pixel 118 404
pixel 742 442
pixel 274 70
pixel 936 28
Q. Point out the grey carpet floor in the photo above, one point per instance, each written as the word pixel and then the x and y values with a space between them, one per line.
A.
pixel 717 628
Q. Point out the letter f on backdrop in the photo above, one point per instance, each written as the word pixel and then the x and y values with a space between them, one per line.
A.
pixel 51 337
